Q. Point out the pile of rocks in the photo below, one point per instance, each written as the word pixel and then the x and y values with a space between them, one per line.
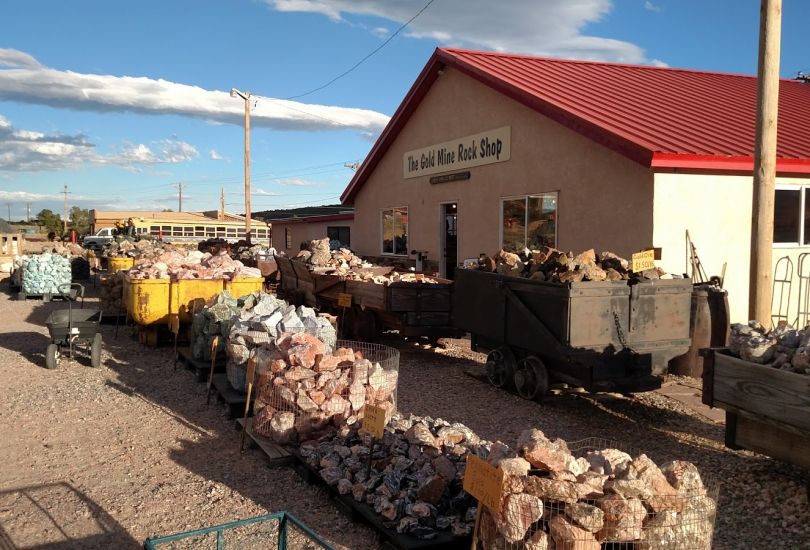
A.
pixel 550 497
pixel 320 255
pixel 263 317
pixel 180 264
pixel 69 250
pixel 43 273
pixel 111 294
pixel 550 264
pixel 416 477
pixel 392 277
pixel 783 348
pixel 304 387
pixel 123 247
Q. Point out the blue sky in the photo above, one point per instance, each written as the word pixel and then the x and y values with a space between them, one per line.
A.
pixel 119 101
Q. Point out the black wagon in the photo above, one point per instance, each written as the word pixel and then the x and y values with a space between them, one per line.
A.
pixel 73 328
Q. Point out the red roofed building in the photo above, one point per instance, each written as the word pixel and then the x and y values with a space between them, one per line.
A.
pixel 493 150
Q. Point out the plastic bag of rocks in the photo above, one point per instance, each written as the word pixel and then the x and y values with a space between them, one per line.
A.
pixel 783 347
pixel 307 387
pixel 416 480
pixel 556 496
pixel 44 273
pixel 213 320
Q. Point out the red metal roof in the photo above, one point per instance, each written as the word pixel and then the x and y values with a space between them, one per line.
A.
pixel 658 116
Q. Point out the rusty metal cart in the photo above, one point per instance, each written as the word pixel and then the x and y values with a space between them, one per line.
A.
pixel 604 336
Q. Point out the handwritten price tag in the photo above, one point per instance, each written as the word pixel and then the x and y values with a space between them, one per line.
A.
pixel 374 420
pixel 643 260
pixel 483 481
pixel 344 300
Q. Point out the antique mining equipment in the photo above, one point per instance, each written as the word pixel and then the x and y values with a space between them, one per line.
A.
pixel 602 335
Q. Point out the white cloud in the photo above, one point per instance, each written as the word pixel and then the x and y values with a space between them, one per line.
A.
pixel 549 28
pixel 652 7
pixel 297 182
pixel 16 58
pixel 380 32
pixel 214 155
pixel 28 82
pixel 263 193
pixel 32 151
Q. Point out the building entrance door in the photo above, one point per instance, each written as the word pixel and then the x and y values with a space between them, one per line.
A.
pixel 449 239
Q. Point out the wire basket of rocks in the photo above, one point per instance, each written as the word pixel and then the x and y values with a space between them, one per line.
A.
pixel 590 495
pixel 304 386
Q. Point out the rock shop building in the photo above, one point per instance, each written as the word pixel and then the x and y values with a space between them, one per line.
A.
pixel 492 150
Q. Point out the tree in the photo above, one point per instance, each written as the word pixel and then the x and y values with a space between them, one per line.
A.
pixel 80 219
pixel 51 222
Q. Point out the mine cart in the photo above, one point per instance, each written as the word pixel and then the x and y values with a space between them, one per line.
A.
pixel 73 328
pixel 412 308
pixel 604 336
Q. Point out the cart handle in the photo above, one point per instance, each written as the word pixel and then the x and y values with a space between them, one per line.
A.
pixel 69 286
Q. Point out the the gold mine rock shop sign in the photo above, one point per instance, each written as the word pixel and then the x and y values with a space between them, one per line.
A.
pixel 476 150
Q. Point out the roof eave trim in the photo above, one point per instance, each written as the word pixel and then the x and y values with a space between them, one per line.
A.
pixel 725 164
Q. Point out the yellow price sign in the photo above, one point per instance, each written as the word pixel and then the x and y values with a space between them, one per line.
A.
pixel 483 481
pixel 374 420
pixel 643 260
pixel 344 300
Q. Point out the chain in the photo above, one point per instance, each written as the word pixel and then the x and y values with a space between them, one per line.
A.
pixel 619 331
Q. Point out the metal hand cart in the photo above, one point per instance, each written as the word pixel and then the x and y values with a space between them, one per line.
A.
pixel 70 328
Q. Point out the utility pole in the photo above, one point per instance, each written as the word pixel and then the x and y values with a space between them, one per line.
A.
pixel 246 97
pixel 8 204
pixel 29 212
pixel 180 187
pixel 759 292
pixel 221 203
pixel 64 209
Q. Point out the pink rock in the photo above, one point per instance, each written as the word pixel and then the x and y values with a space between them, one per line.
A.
pixel 568 536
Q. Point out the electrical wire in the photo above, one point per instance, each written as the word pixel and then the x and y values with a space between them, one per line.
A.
pixel 374 51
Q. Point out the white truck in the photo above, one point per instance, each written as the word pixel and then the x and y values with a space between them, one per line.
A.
pixel 97 241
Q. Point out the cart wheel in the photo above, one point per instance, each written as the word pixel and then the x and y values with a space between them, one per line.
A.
pixel 52 356
pixel 501 367
pixel 531 378
pixel 95 351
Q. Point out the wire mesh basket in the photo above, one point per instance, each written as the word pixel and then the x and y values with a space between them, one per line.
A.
pixel 304 388
pixel 603 503
pixel 280 530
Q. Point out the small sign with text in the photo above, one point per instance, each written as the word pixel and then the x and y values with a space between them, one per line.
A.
pixel 483 481
pixel 374 420
pixel 643 260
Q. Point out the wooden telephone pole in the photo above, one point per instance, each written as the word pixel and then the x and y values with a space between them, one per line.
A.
pixel 246 97
pixel 221 203
pixel 761 280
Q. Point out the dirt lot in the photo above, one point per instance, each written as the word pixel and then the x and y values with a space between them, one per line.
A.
pixel 103 458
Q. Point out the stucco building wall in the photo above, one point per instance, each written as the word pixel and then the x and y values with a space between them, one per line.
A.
pixel 605 199
pixel 303 232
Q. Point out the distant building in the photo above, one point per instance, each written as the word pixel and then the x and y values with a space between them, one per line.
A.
pixel 290 233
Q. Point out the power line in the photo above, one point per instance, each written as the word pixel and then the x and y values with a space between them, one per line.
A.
pixel 378 48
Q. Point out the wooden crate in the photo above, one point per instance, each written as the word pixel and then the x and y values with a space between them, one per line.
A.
pixel 767 409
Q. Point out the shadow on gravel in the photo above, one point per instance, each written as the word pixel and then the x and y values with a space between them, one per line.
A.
pixel 212 452
pixel 30 345
pixel 56 514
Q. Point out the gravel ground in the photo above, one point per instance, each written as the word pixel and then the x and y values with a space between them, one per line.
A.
pixel 103 458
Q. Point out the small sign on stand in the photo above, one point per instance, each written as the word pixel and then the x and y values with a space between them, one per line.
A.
pixel 344 302
pixel 643 260
pixel 484 482
pixel 374 425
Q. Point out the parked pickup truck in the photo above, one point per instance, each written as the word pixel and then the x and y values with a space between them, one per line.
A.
pixel 97 241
